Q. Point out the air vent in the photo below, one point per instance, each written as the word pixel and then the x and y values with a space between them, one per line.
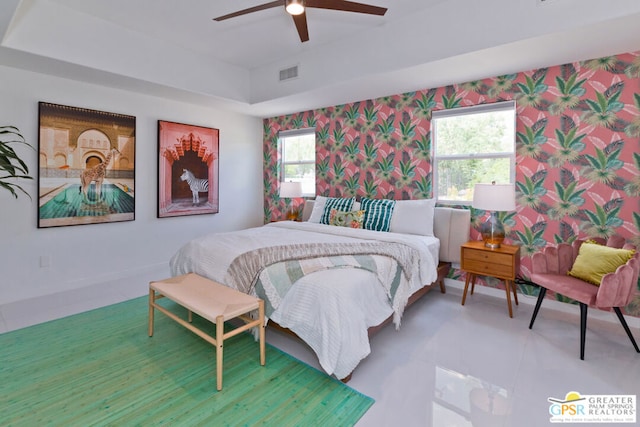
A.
pixel 289 73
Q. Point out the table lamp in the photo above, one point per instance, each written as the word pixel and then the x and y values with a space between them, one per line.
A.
pixel 493 198
pixel 291 190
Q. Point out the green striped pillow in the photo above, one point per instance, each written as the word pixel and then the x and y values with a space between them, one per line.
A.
pixel 337 203
pixel 377 213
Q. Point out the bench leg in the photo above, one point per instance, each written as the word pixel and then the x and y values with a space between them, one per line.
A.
pixel 262 328
pixel 219 354
pixel 151 302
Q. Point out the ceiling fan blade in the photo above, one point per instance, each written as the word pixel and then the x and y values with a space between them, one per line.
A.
pixel 347 6
pixel 251 10
pixel 301 26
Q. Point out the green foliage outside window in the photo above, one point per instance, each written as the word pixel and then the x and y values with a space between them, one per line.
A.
pixel 470 149
pixel 299 160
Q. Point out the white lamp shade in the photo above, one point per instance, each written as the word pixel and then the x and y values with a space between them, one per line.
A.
pixel 290 190
pixel 494 197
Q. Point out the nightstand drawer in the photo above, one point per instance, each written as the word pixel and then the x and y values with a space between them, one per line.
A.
pixel 488 256
pixel 488 269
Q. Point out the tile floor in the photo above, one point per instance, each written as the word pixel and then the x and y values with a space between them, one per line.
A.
pixel 448 365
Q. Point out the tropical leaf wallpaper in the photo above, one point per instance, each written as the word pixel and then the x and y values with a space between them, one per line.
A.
pixel 578 151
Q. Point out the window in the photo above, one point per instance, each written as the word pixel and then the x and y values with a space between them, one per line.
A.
pixel 472 145
pixel 298 154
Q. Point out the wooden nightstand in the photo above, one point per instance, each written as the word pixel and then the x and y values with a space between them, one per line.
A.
pixel 502 263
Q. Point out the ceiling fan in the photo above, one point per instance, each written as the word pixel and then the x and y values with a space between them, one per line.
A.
pixel 297 8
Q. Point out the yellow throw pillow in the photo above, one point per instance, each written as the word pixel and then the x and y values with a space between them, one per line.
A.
pixel 594 261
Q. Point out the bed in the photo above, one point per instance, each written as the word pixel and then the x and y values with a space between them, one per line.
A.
pixel 332 286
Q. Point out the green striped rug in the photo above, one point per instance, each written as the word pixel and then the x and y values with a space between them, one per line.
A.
pixel 100 368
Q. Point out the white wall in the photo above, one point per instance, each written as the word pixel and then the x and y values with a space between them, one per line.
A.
pixel 88 254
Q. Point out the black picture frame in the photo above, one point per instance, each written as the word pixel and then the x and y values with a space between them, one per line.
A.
pixel 86 166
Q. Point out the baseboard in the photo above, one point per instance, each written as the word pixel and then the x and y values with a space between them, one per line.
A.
pixel 146 272
pixel 121 275
pixel 549 304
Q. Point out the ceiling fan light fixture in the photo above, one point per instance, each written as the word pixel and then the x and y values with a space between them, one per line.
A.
pixel 295 7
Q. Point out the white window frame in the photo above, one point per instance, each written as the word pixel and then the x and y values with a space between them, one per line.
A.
pixel 282 136
pixel 461 111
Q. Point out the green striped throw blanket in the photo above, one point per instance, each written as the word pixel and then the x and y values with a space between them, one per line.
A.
pixel 275 280
pixel 245 269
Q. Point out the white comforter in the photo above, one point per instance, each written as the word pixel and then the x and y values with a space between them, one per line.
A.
pixel 330 310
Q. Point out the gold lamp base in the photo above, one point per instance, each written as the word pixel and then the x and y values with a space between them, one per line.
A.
pixel 492 231
pixel 292 215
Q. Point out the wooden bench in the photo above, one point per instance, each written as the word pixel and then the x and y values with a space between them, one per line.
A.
pixel 212 301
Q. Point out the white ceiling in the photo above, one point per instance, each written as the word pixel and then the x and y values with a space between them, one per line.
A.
pixel 173 48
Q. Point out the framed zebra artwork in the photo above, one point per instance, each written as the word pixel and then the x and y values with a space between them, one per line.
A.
pixel 86 166
pixel 187 169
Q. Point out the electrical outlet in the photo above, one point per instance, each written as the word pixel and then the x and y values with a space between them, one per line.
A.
pixel 45 261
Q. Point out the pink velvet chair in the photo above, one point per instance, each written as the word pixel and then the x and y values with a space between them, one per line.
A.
pixel 549 271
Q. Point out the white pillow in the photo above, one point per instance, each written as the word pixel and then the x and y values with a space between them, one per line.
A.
pixel 318 209
pixel 413 217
